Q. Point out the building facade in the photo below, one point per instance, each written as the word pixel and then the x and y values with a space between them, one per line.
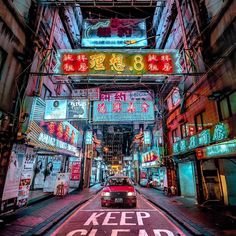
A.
pixel 203 104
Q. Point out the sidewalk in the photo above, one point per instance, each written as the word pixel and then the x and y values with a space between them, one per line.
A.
pixel 37 218
pixel 186 212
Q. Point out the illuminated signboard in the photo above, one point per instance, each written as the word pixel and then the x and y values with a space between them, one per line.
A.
pixel 53 136
pixel 127 95
pixel 114 33
pixel 92 94
pixel 63 131
pixel 89 137
pixel 104 111
pixel 44 138
pixel 118 62
pixel 225 148
pixel 55 110
pixel 147 137
pixel 204 138
pixel 66 109
pixel 77 109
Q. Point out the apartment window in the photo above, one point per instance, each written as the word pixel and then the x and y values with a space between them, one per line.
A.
pixel 184 130
pixel 199 121
pixel 227 106
pixel 3 56
pixel 45 92
pixel 175 137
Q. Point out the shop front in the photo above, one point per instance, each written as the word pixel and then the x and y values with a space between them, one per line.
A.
pixel 55 152
pixel 218 162
pixel 210 172
pixel 156 175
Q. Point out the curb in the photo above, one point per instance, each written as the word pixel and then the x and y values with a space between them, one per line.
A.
pixel 181 221
pixel 45 226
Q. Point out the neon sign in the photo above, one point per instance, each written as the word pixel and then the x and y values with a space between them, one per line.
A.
pixel 202 139
pixel 224 148
pixel 103 62
pixel 44 138
pixel 114 33
pixel 104 111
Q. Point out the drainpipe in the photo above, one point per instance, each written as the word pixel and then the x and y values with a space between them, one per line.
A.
pixel 49 50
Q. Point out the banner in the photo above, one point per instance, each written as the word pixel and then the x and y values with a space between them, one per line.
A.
pixel 150 62
pixel 114 33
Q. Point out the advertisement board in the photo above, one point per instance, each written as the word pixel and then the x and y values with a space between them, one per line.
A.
pixel 77 109
pixel 13 173
pixel 104 111
pixel 62 131
pixel 149 62
pixel 114 33
pixel 39 167
pixel 62 179
pixel 66 109
pixel 51 170
pixel 74 169
pixel 55 109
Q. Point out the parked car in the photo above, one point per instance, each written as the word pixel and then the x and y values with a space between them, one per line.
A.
pixel 118 190
pixel 143 182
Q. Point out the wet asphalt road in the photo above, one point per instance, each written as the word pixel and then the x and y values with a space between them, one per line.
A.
pixel 93 220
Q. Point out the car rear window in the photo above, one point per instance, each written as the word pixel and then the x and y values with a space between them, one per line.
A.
pixel 119 182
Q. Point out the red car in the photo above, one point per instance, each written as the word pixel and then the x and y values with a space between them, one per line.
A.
pixel 118 190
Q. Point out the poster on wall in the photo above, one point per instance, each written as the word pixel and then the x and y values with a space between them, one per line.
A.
pixel 52 168
pixel 13 173
pixel 38 178
pixel 26 177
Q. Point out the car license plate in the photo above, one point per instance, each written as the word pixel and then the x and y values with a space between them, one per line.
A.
pixel 118 200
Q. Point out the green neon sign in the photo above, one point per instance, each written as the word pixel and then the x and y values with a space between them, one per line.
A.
pixel 221 149
pixel 201 139
pixel 220 132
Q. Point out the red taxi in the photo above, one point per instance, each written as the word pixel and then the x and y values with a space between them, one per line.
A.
pixel 118 190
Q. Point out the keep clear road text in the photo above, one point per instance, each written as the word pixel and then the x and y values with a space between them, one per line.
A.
pixel 93 220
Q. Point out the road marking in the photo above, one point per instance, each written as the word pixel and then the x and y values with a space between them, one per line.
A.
pixel 123 209
pixel 164 216
pixel 140 214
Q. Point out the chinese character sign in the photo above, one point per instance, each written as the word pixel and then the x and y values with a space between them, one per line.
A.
pixel 145 62
pixel 132 95
pixel 119 111
pixel 114 33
